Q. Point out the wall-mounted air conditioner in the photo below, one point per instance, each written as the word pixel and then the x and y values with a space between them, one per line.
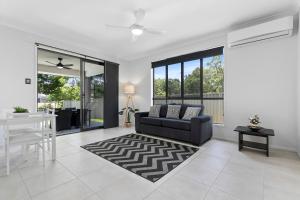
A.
pixel 278 28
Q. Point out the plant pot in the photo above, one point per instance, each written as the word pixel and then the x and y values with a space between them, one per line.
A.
pixel 19 115
pixel 128 124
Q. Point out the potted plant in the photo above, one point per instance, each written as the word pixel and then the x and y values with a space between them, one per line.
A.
pixel 19 109
pixel 127 111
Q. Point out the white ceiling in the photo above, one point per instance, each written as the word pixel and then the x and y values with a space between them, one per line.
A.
pixel 83 21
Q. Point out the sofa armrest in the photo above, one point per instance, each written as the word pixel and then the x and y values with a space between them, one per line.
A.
pixel 138 117
pixel 201 129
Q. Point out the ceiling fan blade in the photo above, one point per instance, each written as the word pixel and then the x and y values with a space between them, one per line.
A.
pixel 139 15
pixel 116 27
pixel 50 63
pixel 154 31
pixel 68 65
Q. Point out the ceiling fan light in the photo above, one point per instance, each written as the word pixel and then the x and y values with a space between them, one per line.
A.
pixel 137 31
pixel 60 67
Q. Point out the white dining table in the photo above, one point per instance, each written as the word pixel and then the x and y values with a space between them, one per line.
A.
pixel 35 118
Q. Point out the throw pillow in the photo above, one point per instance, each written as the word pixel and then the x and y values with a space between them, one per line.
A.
pixel 154 111
pixel 191 112
pixel 173 111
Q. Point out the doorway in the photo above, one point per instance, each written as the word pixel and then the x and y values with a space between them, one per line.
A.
pixel 92 94
pixel 74 88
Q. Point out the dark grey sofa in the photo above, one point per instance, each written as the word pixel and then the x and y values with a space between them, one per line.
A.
pixel 196 131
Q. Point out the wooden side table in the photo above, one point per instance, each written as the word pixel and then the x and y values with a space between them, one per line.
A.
pixel 263 132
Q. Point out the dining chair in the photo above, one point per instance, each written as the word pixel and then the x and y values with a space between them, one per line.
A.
pixel 47 127
pixel 16 132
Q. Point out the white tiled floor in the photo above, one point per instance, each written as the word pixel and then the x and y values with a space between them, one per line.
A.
pixel 216 172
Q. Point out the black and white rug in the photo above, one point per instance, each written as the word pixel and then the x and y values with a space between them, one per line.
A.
pixel 145 156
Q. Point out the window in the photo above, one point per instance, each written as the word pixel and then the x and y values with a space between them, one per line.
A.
pixel 174 80
pixel 159 82
pixel 213 77
pixel 192 81
pixel 196 78
pixel 213 87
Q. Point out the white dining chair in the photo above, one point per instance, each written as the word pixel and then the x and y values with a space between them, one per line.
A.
pixel 47 127
pixel 16 133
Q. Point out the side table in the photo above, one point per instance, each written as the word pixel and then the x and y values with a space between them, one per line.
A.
pixel 263 132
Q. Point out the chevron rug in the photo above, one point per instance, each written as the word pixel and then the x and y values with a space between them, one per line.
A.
pixel 145 156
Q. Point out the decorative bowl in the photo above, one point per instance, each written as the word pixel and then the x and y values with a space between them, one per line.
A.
pixel 254 128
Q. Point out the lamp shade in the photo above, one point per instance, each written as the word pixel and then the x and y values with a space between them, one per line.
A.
pixel 129 88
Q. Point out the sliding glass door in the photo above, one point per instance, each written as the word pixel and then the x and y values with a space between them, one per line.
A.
pixel 74 86
pixel 92 94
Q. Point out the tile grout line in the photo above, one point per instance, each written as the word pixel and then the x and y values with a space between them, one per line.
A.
pixel 22 180
pixel 156 189
pixel 49 189
pixel 211 185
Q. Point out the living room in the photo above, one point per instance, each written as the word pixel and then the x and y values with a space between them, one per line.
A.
pixel 258 80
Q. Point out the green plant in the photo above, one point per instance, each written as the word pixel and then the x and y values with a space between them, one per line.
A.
pixel 19 109
pixel 128 111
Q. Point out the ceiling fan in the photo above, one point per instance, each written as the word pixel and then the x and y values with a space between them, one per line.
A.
pixel 59 65
pixel 137 28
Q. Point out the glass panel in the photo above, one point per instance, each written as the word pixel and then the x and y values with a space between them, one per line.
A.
pixel 213 77
pixel 159 82
pixel 174 101
pixel 58 88
pixel 192 101
pixel 159 102
pixel 93 95
pixel 215 108
pixel 174 80
pixel 192 78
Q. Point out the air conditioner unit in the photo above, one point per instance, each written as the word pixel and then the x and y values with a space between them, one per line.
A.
pixel 278 28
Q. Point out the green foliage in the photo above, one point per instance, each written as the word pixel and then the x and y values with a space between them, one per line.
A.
pixel 97 83
pixel 50 84
pixel 174 87
pixel 19 109
pixel 213 81
pixel 192 83
pixel 214 76
pixel 70 93
pixel 57 89
pixel 159 87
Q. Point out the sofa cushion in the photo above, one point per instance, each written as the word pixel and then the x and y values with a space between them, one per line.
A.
pixel 154 111
pixel 185 106
pixel 173 111
pixel 191 112
pixel 151 121
pixel 176 124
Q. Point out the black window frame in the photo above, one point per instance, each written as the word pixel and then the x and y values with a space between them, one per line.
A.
pixel 200 55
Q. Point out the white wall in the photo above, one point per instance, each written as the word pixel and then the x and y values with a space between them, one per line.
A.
pixel 298 92
pixel 18 61
pixel 259 79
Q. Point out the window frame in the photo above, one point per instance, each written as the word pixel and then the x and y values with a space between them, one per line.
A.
pixel 201 55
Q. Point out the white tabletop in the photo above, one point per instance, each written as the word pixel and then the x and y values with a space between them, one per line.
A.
pixel 24 117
